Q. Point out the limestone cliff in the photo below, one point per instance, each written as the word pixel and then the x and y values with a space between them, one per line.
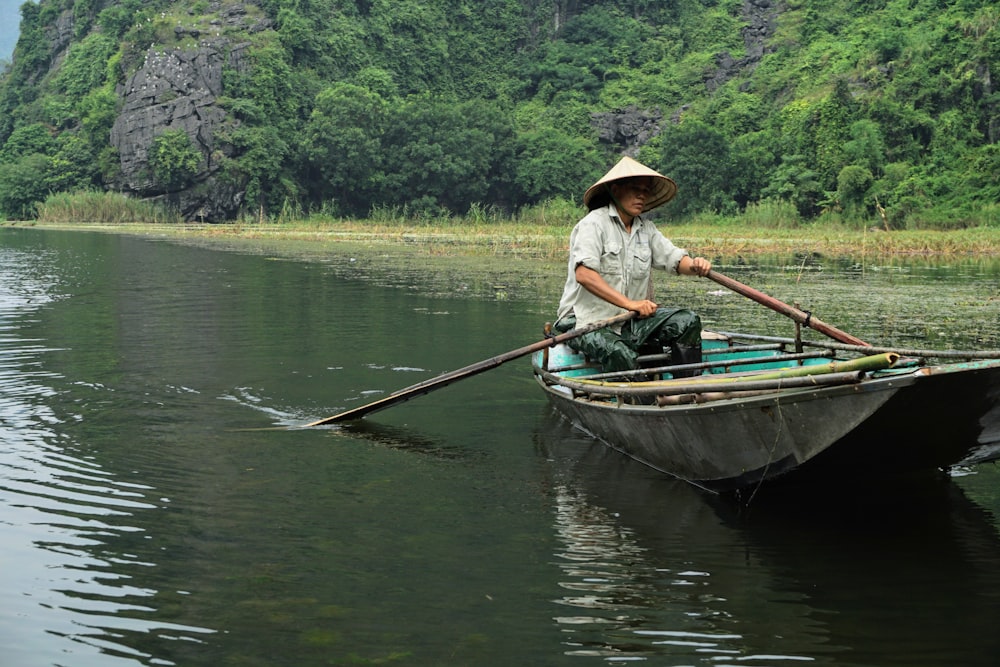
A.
pixel 179 87
pixel 173 77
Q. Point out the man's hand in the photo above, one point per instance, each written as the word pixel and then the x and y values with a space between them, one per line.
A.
pixel 694 266
pixel 644 308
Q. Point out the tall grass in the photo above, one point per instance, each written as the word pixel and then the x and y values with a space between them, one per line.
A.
pixel 542 231
pixel 771 214
pixel 105 208
pixel 556 212
pixel 989 216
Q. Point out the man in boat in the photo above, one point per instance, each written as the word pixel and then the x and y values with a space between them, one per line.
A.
pixel 612 251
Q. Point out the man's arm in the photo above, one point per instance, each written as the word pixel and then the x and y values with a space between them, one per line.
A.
pixel 592 281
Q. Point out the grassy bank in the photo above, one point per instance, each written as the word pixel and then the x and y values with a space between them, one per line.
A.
pixel 548 242
pixel 508 261
pixel 539 232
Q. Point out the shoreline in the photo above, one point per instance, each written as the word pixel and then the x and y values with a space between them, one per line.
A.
pixel 511 261
pixel 523 242
pixel 509 264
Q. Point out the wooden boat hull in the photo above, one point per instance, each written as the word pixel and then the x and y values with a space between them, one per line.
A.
pixel 923 419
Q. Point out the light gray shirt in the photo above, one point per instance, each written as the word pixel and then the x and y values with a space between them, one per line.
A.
pixel 624 259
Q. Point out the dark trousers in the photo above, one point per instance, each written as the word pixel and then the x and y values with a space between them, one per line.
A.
pixel 678 329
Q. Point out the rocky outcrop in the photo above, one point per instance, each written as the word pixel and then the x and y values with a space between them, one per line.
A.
pixel 761 18
pixel 60 35
pixel 985 91
pixel 627 129
pixel 179 88
pixel 174 89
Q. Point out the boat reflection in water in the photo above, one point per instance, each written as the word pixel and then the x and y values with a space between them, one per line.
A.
pixel 652 567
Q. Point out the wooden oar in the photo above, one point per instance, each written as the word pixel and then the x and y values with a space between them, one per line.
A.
pixel 802 317
pixel 444 380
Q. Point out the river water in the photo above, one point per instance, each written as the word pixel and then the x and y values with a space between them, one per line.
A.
pixel 155 511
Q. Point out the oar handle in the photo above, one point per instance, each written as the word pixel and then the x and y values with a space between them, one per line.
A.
pixel 800 316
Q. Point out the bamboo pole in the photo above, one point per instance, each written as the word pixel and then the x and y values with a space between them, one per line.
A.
pixel 864 349
pixel 712 383
pixel 694 386
pixel 704 366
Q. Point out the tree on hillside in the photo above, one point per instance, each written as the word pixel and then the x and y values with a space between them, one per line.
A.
pixel 173 159
pixel 445 155
pixel 698 158
pixel 342 147
pixel 795 182
pixel 552 163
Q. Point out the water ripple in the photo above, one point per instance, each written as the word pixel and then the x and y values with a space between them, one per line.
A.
pixel 62 573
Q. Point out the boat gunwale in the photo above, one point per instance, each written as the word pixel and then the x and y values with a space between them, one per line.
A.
pixel 737 402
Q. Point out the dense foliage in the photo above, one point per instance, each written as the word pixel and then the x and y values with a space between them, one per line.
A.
pixel 876 110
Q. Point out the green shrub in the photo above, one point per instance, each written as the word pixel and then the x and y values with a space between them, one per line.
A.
pixel 173 159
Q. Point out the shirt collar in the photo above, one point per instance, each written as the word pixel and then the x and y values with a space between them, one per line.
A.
pixel 613 213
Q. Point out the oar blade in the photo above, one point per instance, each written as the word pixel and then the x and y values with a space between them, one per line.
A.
pixel 388 401
pixel 445 379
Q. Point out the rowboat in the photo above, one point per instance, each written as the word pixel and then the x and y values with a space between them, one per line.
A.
pixel 760 409
pixel 763 408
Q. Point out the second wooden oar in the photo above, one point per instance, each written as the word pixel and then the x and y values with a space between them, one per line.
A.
pixel 444 380
pixel 800 316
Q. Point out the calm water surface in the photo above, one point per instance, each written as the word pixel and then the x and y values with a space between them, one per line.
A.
pixel 151 514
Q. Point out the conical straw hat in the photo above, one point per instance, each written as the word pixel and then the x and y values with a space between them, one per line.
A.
pixel 664 188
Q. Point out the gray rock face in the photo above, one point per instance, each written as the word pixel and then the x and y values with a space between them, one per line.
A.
pixel 60 34
pixel 762 20
pixel 177 88
pixel 627 129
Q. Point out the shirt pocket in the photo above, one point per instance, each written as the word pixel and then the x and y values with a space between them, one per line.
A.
pixel 642 259
pixel 611 260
